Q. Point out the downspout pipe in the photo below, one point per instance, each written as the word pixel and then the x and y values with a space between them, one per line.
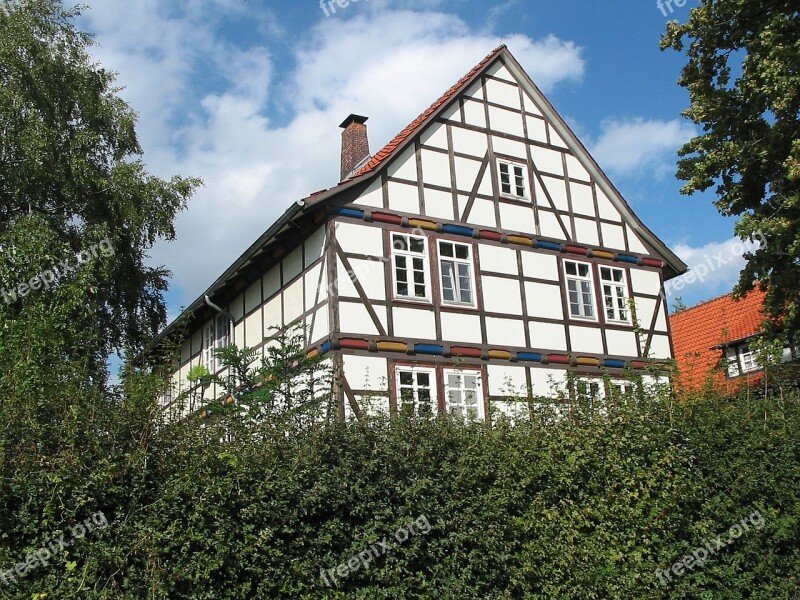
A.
pixel 221 311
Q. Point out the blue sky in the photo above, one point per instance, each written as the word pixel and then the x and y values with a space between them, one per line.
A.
pixel 248 95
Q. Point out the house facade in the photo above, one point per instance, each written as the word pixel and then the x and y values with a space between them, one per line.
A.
pixel 481 254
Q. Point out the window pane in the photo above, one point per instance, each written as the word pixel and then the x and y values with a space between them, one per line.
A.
pixel 462 252
pixel 399 242
pixel 400 261
pixel 446 249
pixel 417 245
pixel 572 268
pixel 447 281
pixel 423 379
pixel 406 378
pixel 583 270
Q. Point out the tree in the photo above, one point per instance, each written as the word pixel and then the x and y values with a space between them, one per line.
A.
pixel 71 171
pixel 743 78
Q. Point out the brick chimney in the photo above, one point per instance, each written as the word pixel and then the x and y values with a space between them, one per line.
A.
pixel 355 146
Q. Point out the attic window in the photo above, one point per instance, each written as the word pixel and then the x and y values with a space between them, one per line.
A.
pixel 513 179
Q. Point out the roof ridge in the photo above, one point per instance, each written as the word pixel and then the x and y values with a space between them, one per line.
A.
pixel 381 155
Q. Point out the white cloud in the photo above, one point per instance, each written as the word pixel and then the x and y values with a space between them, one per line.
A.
pixel 713 269
pixel 261 135
pixel 634 145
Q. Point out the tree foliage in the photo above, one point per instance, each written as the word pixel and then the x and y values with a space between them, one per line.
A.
pixel 71 164
pixel 743 78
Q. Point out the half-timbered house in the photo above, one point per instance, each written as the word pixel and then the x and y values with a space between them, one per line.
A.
pixel 481 253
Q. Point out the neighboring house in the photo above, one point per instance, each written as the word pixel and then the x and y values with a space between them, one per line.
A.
pixel 714 343
pixel 481 253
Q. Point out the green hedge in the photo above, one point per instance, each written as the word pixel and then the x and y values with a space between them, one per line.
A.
pixel 589 506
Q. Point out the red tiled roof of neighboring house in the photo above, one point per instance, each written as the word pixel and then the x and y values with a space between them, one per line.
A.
pixel 382 154
pixel 698 332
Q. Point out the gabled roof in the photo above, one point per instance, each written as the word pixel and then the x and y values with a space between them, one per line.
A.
pixel 699 332
pixel 407 134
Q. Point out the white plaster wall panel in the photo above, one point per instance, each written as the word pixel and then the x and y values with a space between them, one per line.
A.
pixel 482 212
pixel 499 70
pixel 539 265
pixel 372 196
pixel 645 308
pixel 548 336
pixel 505 380
pixel 466 172
pixel 252 296
pixel 613 236
pixel 460 327
pixel 537 130
pixel 538 194
pixel 361 239
pixel 321 325
pixel 273 316
pixel 439 204
pixel 576 170
pixel 435 135
pixel 586 232
pixel 510 148
pixel 314 247
pixel 548 161
pixel 474 114
pixel 236 307
pixel 272 281
pixel 543 301
pixel 403 197
pixel 415 323
pixel 311 277
pixel 254 329
pixel 470 142
pixel 605 208
pixel 501 295
pixel 645 282
pixel 505 332
pixel 186 351
pixel 659 347
pixel 370 275
pixel 530 105
pixel 582 199
pixel 293 301
pixel 505 121
pixel 661 319
pixel 452 113
pixel 238 335
pixel 344 282
pixel 558 191
pixel 197 341
pixel 555 138
pixel 365 372
pixel 503 93
pixel 292 264
pixel 496 259
pixel 622 343
pixel 517 218
pixel 436 168
pixel 548 223
pixel 354 318
pixel 585 339
pixel 634 242
pixel 546 382
pixel 475 91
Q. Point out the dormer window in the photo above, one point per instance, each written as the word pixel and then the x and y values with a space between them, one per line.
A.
pixel 513 179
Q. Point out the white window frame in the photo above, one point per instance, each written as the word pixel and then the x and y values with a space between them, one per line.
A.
pixel 579 279
pixel 415 387
pixel 215 335
pixel 595 388
pixel 468 262
pixel 513 184
pixel 618 293
pixel 749 356
pixel 451 406
pixel 410 256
